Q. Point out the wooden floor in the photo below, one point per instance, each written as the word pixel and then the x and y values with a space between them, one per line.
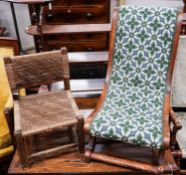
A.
pixel 73 163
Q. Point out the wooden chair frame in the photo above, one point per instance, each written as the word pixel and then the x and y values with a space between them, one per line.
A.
pixel 10 42
pixel 8 112
pixel 26 158
pixel 168 113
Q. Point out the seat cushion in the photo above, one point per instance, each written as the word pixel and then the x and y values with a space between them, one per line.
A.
pixel 133 109
pixel 44 111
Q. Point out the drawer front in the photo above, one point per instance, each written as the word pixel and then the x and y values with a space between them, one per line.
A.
pixel 76 14
pixel 78 2
pixel 77 37
pixel 78 45
pixel 88 70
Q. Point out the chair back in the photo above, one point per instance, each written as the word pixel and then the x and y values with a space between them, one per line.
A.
pixel 38 69
pixel 142 49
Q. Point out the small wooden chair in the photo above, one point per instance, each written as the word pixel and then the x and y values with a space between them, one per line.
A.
pixel 45 112
pixel 134 107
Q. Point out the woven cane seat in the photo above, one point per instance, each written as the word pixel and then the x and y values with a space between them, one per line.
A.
pixel 45 111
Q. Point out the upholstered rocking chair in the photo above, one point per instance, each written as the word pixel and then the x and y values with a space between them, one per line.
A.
pixel 134 107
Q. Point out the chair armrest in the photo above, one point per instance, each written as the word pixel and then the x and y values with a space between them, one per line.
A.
pixel 90 118
pixel 175 120
pixel 11 43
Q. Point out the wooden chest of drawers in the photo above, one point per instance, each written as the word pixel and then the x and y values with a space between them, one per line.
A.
pixel 64 12
pixel 76 12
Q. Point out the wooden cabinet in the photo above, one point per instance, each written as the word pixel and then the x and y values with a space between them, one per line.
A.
pixel 77 14
pixel 65 12
pixel 77 42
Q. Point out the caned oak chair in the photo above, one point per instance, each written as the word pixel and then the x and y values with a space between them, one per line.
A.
pixel 135 103
pixel 45 112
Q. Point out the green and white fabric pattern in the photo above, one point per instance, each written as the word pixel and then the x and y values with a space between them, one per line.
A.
pixel 133 108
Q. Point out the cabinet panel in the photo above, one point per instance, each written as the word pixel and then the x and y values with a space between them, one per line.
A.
pixel 64 12
pixel 77 2
pixel 89 70
pixel 79 37
pixel 78 45
pixel 76 14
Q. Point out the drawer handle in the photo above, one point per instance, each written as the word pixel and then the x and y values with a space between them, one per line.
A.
pixel 49 16
pixel 69 11
pixel 89 49
pixel 88 15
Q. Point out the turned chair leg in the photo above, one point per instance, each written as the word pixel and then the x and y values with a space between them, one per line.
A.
pixel 71 135
pixel 161 157
pixel 21 149
pixel 81 136
pixel 177 156
pixel 89 149
pixel 155 154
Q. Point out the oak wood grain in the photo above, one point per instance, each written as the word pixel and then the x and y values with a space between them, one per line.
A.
pixel 77 28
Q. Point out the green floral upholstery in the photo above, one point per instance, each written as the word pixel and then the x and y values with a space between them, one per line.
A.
pixel 132 111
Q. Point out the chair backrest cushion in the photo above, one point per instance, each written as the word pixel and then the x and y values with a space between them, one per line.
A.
pixel 143 46
pixel 37 69
pixel 133 107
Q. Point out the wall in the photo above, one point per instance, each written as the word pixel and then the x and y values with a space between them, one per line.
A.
pixel 24 20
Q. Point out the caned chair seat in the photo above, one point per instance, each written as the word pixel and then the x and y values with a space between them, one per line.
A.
pixel 46 111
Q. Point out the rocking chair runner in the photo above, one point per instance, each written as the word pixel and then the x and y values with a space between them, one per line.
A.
pixel 135 103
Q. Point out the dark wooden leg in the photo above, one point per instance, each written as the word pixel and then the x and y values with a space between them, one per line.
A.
pixel 155 156
pixel 184 10
pixel 161 161
pixel 49 87
pixel 161 157
pixel 173 139
pixel 177 156
pixel 89 149
pixel 71 135
pixel 10 120
pixel 81 136
pixel 21 149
